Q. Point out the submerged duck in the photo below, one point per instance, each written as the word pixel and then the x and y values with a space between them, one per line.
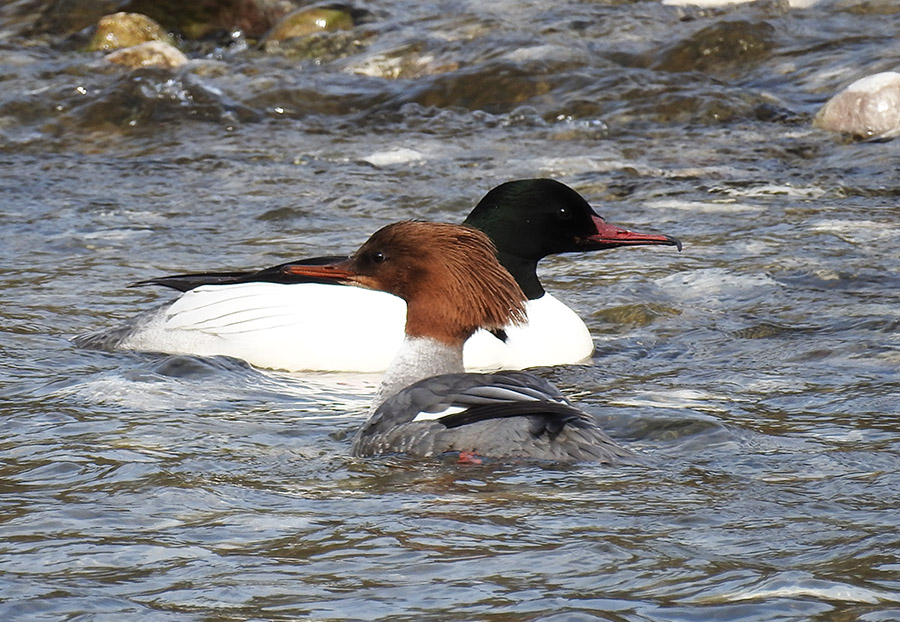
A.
pixel 273 319
pixel 426 404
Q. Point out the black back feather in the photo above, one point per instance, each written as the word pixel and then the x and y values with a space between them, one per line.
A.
pixel 273 274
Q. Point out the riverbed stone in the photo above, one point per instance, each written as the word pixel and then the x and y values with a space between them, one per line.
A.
pixel 320 46
pixel 868 108
pixel 709 4
pixel 191 19
pixel 493 87
pixel 196 20
pixel 406 62
pixel 70 16
pixel 720 46
pixel 868 7
pixel 122 30
pixel 148 54
pixel 322 34
pixel 308 21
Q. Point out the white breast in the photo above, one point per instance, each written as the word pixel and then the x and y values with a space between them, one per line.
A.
pixel 554 335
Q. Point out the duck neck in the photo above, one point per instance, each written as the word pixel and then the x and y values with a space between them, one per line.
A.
pixel 418 358
pixel 524 271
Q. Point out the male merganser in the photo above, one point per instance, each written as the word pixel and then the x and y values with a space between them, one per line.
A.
pixel 426 405
pixel 279 321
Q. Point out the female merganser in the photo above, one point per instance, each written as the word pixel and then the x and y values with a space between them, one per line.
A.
pixel 279 321
pixel 426 406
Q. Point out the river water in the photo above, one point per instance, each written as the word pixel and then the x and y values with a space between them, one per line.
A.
pixel 759 369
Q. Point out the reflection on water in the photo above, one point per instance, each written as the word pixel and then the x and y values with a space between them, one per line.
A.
pixel 757 370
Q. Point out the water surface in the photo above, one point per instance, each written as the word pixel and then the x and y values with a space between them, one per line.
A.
pixel 757 369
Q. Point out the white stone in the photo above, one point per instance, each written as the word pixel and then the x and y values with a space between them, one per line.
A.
pixel 870 107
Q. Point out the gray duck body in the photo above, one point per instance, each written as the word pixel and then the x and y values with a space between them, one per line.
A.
pixel 503 415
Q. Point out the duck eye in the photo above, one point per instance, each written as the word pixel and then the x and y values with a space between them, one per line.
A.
pixel 563 213
pixel 378 257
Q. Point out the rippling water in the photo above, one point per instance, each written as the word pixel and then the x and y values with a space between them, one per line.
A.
pixel 758 369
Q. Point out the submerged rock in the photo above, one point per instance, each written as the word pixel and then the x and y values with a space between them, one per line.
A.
pixel 69 16
pixel 794 4
pixel 867 7
pixel 123 30
pixel 492 87
pixel 720 46
pixel 313 33
pixel 406 62
pixel 191 19
pixel 149 54
pixel 868 108
pixel 321 46
pixel 195 19
pixel 150 96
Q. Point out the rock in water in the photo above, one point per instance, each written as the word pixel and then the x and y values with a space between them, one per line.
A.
pixel 868 108
pixel 308 21
pixel 123 30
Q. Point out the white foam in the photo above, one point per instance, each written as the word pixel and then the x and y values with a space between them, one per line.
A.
pixel 678 399
pixel 709 207
pixel 705 3
pixel 857 231
pixel 812 588
pixel 715 287
pixel 400 155
pixel 131 395
pixel 711 4
pixel 572 165
pixel 805 192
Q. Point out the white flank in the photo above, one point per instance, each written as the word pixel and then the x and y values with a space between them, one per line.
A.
pixel 318 327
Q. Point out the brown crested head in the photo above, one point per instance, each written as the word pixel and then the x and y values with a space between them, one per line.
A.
pixel 448 275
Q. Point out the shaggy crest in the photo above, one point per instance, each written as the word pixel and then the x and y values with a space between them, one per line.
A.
pixel 448 274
